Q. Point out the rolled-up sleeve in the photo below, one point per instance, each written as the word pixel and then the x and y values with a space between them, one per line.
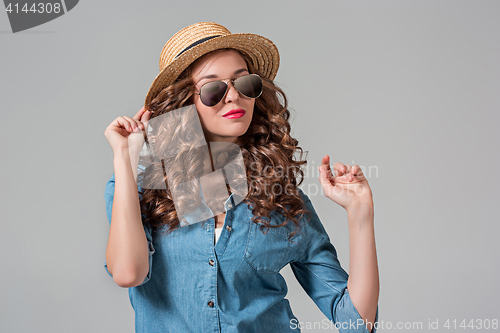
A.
pixel 319 272
pixel 109 193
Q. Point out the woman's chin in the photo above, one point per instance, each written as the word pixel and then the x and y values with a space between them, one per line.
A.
pixel 236 130
pixel 231 132
pixel 226 136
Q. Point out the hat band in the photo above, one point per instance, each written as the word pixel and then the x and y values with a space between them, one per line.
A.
pixel 196 43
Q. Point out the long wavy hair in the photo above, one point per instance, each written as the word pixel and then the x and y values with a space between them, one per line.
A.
pixel 273 172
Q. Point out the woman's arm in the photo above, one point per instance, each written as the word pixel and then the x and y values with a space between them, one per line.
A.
pixel 127 251
pixel 363 282
pixel 348 187
pixel 320 273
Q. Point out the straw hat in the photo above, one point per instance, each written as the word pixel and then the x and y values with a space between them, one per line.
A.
pixel 198 39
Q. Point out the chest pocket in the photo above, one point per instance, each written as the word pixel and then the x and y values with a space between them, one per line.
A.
pixel 267 253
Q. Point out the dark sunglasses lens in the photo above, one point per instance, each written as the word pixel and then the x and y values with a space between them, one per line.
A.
pixel 212 92
pixel 249 85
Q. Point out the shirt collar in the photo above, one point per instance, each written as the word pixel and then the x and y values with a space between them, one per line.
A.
pixel 204 212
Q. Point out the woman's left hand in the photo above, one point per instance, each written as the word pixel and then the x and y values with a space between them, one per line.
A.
pixel 347 186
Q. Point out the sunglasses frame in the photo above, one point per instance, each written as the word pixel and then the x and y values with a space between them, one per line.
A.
pixel 227 88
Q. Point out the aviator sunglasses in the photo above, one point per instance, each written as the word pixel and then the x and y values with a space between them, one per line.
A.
pixel 211 93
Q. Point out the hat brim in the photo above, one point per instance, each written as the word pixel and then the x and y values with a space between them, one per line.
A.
pixel 262 51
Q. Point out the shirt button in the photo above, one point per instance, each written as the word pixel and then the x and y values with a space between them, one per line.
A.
pixel 210 304
pixel 211 262
pixel 230 205
pixel 228 228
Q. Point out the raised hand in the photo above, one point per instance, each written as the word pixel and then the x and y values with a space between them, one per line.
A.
pixel 347 186
pixel 119 131
pixel 125 135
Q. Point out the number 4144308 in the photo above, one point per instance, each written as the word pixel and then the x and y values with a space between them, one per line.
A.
pixel 36 8
pixel 472 324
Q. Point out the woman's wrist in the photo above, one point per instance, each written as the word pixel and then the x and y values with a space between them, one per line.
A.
pixel 121 157
pixel 125 158
pixel 126 153
pixel 121 151
pixel 360 214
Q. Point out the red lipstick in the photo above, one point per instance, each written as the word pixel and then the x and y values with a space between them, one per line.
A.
pixel 235 113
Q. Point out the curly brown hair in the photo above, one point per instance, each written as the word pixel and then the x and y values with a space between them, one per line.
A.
pixel 268 152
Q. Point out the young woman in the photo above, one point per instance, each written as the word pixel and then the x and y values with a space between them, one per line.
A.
pixel 180 278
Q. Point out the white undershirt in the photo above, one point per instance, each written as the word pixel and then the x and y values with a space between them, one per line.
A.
pixel 217 234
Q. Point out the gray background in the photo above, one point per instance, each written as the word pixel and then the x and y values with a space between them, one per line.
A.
pixel 406 88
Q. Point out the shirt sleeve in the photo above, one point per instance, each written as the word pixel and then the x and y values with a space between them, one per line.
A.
pixel 109 193
pixel 319 272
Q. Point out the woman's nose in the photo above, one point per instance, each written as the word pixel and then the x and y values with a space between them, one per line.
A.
pixel 232 94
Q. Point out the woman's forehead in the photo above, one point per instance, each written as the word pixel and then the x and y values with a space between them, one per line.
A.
pixel 217 61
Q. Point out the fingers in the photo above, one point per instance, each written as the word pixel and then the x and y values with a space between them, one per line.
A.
pixel 139 113
pixel 145 117
pixel 356 171
pixel 339 169
pixel 347 170
pixel 325 178
pixel 127 123
pixel 142 117
pixel 134 124
pixel 348 173
pixel 325 163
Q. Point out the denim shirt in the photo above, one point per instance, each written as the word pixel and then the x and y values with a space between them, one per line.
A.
pixel 236 285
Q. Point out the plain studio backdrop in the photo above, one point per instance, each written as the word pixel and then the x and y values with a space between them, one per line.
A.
pixel 409 90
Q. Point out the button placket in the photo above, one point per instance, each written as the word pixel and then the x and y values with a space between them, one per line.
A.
pixel 229 206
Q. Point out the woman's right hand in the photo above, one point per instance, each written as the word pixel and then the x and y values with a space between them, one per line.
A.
pixel 119 131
